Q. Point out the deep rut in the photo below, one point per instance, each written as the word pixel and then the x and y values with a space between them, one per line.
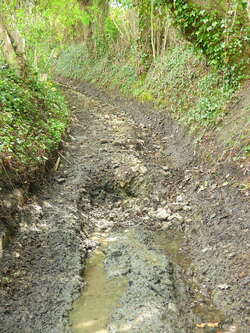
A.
pixel 127 166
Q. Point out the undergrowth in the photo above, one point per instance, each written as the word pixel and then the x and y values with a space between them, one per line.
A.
pixel 179 81
pixel 33 119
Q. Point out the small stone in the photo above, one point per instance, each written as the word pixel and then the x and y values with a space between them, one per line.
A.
pixel 179 198
pixel 7 204
pixel 117 143
pixel 162 214
pixel 213 187
pixel 46 204
pixel 166 225
pixel 242 275
pixel 187 208
pixel 223 286
pixel 176 216
pixel 116 165
pixel 172 307
pixel 61 180
pixel 103 141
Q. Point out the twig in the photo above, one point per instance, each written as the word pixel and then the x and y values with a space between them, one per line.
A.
pixel 65 158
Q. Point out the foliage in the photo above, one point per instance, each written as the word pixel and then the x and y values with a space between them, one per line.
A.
pixel 222 40
pixel 73 61
pixel 45 25
pixel 126 46
pixel 111 30
pixel 33 119
pixel 170 81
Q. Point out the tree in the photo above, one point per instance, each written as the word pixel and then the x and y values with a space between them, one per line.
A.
pixel 94 30
pixel 13 46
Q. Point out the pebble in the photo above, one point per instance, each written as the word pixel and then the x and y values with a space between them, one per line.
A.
pixel 61 180
pixel 162 214
pixel 223 286
pixel 205 249
pixel 166 225
pixel 177 217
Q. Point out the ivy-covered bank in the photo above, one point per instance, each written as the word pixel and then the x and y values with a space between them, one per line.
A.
pixel 223 36
pixel 33 119
pixel 179 82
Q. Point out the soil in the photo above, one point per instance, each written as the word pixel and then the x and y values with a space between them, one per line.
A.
pixel 128 165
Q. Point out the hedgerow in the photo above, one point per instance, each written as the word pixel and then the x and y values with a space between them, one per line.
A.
pixel 33 119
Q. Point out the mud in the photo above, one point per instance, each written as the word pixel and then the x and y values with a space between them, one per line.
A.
pixel 134 285
pixel 128 165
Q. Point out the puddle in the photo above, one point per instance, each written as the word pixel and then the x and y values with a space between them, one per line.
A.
pixel 103 296
pixel 100 296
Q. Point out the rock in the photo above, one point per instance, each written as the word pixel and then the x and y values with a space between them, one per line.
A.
pixel 7 204
pixel 223 286
pixel 205 249
pixel 61 180
pixel 162 214
pixel 176 216
pixel 17 254
pixel 19 195
pixel 242 275
pixel 115 165
pixel 187 208
pixel 172 307
pixel 34 212
pixel 166 225
pixel 103 141
pixel 118 143
pixel 179 198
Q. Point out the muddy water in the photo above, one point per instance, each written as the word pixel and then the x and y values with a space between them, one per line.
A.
pixel 122 294
pixel 100 296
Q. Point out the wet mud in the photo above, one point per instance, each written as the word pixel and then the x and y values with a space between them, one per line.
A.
pixel 173 245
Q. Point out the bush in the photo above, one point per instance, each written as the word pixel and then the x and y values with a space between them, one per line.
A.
pixel 33 118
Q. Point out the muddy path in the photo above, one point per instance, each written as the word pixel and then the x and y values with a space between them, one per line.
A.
pixel 129 168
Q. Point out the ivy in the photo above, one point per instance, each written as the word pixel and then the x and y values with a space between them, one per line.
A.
pixel 222 39
pixel 33 120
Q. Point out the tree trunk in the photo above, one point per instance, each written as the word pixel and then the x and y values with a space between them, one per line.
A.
pixel 144 39
pixel 94 32
pixel 13 49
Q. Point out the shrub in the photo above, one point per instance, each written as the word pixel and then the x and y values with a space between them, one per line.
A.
pixel 33 119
